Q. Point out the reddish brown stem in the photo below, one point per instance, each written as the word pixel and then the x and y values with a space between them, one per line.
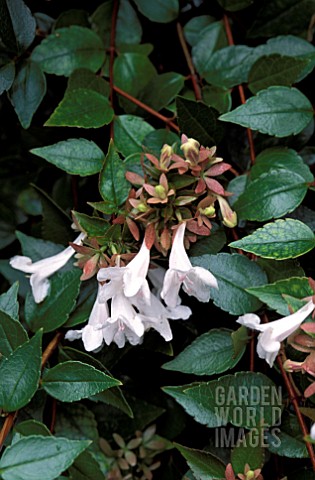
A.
pixel 134 100
pixel 240 91
pixel 111 60
pixel 10 419
pixel 53 415
pixel 193 76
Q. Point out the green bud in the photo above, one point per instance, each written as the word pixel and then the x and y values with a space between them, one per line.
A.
pixel 250 475
pixel 142 207
pixel 208 211
pixel 160 191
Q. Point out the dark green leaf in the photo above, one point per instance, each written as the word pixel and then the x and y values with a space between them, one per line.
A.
pixel 85 467
pixel 212 39
pixel 113 186
pixel 29 201
pixel 272 294
pixel 167 84
pixel 12 334
pixel 198 121
pixel 248 451
pixel 76 422
pixel 76 156
pixel 271 195
pixel 9 303
pixel 195 28
pixel 70 48
pixel 210 353
pixel 289 268
pixel 72 17
pixel 237 186
pixel 32 427
pixel 130 132
pixel 27 91
pixel 72 381
pixel 285 445
pixel 204 465
pixel 275 69
pixel 84 305
pixel 217 97
pixel 83 78
pixel 305 215
pixel 17 26
pixel 209 245
pixel 128 28
pixel 92 226
pixel 55 310
pixel 81 108
pixel 36 248
pixel 278 111
pixel 7 74
pixel 163 11
pixel 282 16
pixel 19 375
pixel 232 398
pixel 234 273
pixel 155 140
pixel 279 240
pixel 28 457
pixel 235 5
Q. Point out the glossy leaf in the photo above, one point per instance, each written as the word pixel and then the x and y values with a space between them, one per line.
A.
pixel 278 111
pixel 204 465
pixel 248 451
pixel 7 74
pixel 168 85
pixel 133 72
pixel 17 26
pixel 128 28
pixel 28 459
pixel 12 334
pixel 271 195
pixel 234 273
pixel 217 97
pixel 198 121
pixel 9 302
pixel 19 375
pixel 275 70
pixel 84 78
pixel 81 108
pixel 55 309
pixel 273 294
pixel 27 91
pixel 209 354
pixel 76 156
pixel 163 11
pixel 195 28
pixel 212 39
pixel 113 185
pixel 70 48
pixel 130 132
pixel 279 240
pixel 286 445
pixel 86 467
pixel 71 381
pixel 155 140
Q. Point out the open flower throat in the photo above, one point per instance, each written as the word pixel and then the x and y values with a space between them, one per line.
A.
pixel 168 207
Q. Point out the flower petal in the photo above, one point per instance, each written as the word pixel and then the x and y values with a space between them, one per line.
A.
pixel 40 287
pixel 136 271
pixel 92 338
pixel 171 286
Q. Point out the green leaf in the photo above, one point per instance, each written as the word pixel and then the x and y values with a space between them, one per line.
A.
pixel 76 156
pixel 128 28
pixel 28 457
pixel 27 91
pixel 163 11
pixel 248 451
pixel 289 268
pixel 229 66
pixel 7 74
pixel 17 26
pixel 233 398
pixel 83 78
pixel 36 248
pixel 237 186
pixel 32 427
pixel 76 422
pixel 210 353
pixel 12 334
pixel 55 310
pixel 19 375
pixel 282 16
pixel 234 273
pixel 130 132
pixel 278 111
pixel 167 84
pixel 271 195
pixel 84 305
pixel 279 157
pixel 198 121
pixel 204 465
pixel 305 215
pixel 213 38
pixel 9 302
pixel 209 245
pixel 72 17
pixel 70 48
pixel 81 108
pixel 196 27
pixel 71 381
pixel 235 5
pixel 279 240
pixel 285 445
pixel 272 294
pixel 132 72
pixel 113 186
pixel 92 226
pixel 85 467
pixel 155 140
pixel 275 69
pixel 217 97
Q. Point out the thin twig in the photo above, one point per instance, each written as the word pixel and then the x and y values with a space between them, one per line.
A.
pixel 10 419
pixel 190 64
pixel 241 92
pixel 111 60
pixel 134 100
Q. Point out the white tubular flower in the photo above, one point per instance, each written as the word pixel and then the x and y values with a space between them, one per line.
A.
pixel 273 333
pixel 312 432
pixel 40 271
pixel 196 281
pixel 92 333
